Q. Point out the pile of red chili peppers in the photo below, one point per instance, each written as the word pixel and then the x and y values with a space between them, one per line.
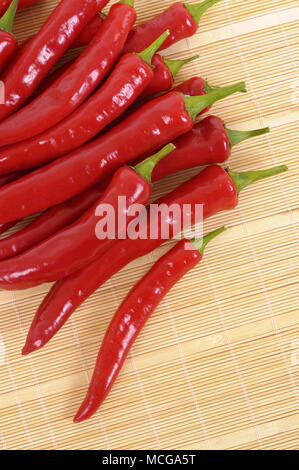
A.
pixel 67 136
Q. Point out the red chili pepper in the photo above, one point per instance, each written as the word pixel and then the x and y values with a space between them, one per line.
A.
pixel 77 82
pixel 134 312
pixel 181 19
pixel 22 4
pixel 5 179
pixel 42 52
pixel 195 86
pixel 129 79
pixel 49 222
pixel 152 125
pixel 71 248
pixel 89 31
pixel 50 79
pixel 199 87
pixel 8 43
pixel 214 187
pixel 165 72
pixel 84 37
pixel 149 27
pixel 208 142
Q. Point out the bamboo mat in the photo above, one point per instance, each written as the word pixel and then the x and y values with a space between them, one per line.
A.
pixel 216 367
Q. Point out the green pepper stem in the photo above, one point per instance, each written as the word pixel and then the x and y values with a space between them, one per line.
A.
pixel 209 88
pixel 196 104
pixel 146 167
pixel 196 11
pixel 235 137
pixel 6 22
pixel 241 180
pixel 128 2
pixel 150 51
pixel 201 243
pixel 176 65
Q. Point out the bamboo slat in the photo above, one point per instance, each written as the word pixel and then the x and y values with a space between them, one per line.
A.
pixel 216 367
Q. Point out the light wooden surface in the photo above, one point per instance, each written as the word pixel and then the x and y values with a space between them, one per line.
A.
pixel 217 365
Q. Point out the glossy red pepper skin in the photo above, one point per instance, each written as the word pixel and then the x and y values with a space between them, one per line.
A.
pixel 213 188
pixel 176 18
pixel 49 222
pixel 162 78
pixel 131 317
pixel 152 125
pixel 89 31
pixel 4 4
pixel 196 89
pixel 71 248
pixel 195 86
pixel 8 45
pixel 206 143
pixel 76 83
pixel 84 37
pixel 5 179
pixel 50 79
pixel 127 81
pixel 25 73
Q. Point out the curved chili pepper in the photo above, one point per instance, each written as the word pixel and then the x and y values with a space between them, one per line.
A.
pixel 42 51
pixel 84 37
pixel 71 248
pixel 49 222
pixel 214 187
pixel 134 312
pixel 165 72
pixel 208 142
pixel 176 18
pixel 130 77
pixel 8 43
pixel 4 4
pixel 199 87
pixel 163 22
pixel 50 79
pixel 77 82
pixel 181 19
pixel 152 125
pixel 89 31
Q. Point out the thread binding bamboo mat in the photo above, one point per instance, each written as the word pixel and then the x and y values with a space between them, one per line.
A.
pixel 217 365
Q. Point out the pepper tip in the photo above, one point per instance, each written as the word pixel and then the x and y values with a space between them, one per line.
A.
pixel 79 417
pixel 26 350
pixel 29 347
